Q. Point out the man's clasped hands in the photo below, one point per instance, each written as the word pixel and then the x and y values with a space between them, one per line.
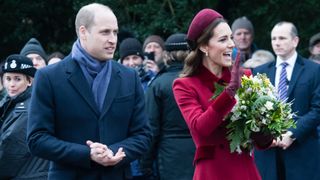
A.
pixel 101 154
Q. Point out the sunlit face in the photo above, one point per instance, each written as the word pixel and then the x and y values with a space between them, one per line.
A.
pixel 15 83
pixel 219 47
pixel 101 38
pixel 283 43
pixel 156 48
pixel 132 61
pixel 243 39
pixel 54 60
pixel 316 49
pixel 37 61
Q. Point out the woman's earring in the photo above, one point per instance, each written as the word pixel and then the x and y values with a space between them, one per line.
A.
pixel 207 54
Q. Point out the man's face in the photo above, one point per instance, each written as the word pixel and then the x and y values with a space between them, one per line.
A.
pixel 283 43
pixel 315 50
pixel 100 39
pixel 132 61
pixel 156 48
pixel 37 61
pixel 243 39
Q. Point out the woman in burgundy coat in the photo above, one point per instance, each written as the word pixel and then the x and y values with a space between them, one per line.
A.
pixel 209 37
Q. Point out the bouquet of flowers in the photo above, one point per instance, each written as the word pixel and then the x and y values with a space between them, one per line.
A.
pixel 258 110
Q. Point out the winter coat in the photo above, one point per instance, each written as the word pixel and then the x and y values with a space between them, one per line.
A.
pixel 172 144
pixel 301 160
pixel 64 116
pixel 204 116
pixel 16 162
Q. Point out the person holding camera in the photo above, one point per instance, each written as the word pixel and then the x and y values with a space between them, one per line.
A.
pixel 153 48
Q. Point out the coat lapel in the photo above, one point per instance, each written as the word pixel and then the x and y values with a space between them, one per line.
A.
pixel 297 70
pixel 271 72
pixel 79 82
pixel 112 91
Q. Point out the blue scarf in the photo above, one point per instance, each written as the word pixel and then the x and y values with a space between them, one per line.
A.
pixel 97 73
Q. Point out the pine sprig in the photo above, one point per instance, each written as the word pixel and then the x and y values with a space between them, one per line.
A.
pixel 218 90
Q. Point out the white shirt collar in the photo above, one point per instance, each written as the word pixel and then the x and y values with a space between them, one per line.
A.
pixel 291 61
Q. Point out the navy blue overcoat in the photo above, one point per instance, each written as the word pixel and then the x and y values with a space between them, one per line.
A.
pixel 302 158
pixel 64 115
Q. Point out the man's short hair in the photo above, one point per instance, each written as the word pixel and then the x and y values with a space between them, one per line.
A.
pixel 85 16
pixel 293 32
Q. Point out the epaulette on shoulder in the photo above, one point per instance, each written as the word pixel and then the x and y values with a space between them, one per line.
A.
pixel 21 106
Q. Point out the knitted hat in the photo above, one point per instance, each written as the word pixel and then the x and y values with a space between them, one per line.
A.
pixel 176 42
pixel 314 40
pixel 199 23
pixel 242 23
pixel 33 46
pixel 153 38
pixel 19 64
pixel 130 46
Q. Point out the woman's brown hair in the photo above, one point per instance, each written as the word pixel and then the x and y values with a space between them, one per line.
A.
pixel 194 59
pixel 171 56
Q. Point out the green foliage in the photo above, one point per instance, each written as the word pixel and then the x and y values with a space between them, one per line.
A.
pixel 258 110
pixel 218 90
pixel 52 22
pixel 265 14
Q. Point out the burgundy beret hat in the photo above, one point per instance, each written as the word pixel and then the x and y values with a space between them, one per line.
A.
pixel 200 22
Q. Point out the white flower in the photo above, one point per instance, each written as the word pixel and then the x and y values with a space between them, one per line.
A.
pixel 249 90
pixel 271 94
pixel 255 129
pixel 255 80
pixel 257 109
pixel 234 118
pixel 264 121
pixel 243 107
pixel 269 105
pixel 238 149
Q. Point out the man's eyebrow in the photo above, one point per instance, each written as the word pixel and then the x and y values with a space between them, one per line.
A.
pixel 109 30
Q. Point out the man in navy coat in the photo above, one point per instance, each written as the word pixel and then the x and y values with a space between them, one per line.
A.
pixel 87 112
pixel 297 155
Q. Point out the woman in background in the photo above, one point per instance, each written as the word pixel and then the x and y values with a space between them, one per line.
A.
pixel 16 162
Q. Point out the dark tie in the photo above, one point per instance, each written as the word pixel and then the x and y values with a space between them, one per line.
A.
pixel 283 82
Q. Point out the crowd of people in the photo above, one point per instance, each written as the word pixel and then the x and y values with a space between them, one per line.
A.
pixel 151 113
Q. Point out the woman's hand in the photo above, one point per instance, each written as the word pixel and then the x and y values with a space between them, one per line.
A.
pixel 235 81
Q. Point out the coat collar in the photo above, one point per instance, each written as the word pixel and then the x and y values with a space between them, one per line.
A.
pixel 297 70
pixel 209 78
pixel 271 73
pixel 79 82
pixel 113 88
